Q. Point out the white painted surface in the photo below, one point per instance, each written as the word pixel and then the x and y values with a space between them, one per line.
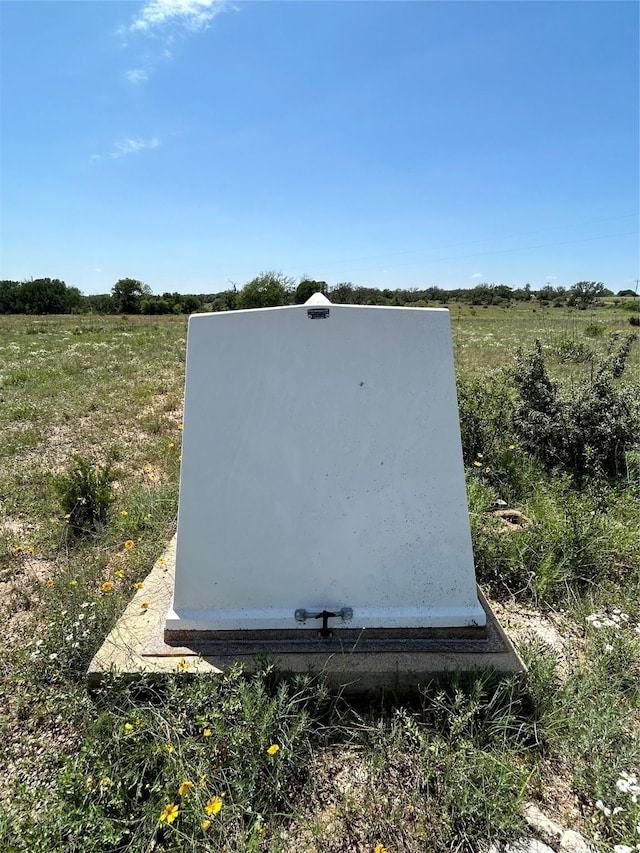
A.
pixel 321 469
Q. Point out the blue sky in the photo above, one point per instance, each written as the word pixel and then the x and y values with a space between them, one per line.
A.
pixel 194 143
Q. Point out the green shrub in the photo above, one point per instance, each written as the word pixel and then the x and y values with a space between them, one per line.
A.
pixel 584 430
pixel 84 491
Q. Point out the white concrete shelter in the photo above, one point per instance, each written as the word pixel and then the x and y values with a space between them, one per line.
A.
pixel 322 471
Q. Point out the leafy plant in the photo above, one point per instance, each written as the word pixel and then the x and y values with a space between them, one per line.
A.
pixel 85 493
pixel 583 430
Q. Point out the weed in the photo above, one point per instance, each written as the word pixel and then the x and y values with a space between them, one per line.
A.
pixel 85 493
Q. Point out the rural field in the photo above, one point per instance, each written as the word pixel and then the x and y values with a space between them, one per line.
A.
pixel 90 418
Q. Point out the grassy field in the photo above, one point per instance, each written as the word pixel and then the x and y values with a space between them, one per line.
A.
pixel 187 764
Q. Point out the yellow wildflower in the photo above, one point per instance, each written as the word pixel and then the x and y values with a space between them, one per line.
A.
pixel 183 664
pixel 170 747
pixel 180 426
pixel 138 585
pixel 170 813
pixel 73 582
pixel 206 733
pixel 128 544
pixel 379 849
pixel 105 783
pixel 203 781
pixel 31 549
pixel 49 582
pixel 478 464
pixel 273 749
pixel 172 444
pixel 512 447
pixel 161 561
pixel 480 455
pixel 144 605
pixel 119 573
pixel 124 513
pixel 206 824
pixel 213 806
pixel 128 727
pixel 107 586
pixel 184 788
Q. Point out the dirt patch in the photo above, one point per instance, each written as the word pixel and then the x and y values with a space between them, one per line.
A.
pixel 523 624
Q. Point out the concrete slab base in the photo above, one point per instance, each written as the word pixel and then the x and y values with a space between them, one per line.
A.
pixel 356 661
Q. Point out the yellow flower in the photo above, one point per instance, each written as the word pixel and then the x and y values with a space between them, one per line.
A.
pixel 184 788
pixel 512 447
pixel 73 582
pixel 138 585
pixel 119 573
pixel 161 561
pixel 107 586
pixel 273 749
pixel 206 733
pixel 49 582
pixel 128 544
pixel 183 664
pixel 68 516
pixel 124 513
pixel 203 781
pixel 487 470
pixel 180 426
pixel 151 476
pixel 144 605
pixel 146 469
pixel 478 464
pixel 172 444
pixel 206 824
pixel 169 747
pixel 31 549
pixel 480 455
pixel 170 813
pixel 213 805
pixel 128 727
pixel 379 849
pixel 105 783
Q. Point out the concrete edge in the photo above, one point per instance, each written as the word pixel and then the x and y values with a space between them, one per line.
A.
pixel 141 627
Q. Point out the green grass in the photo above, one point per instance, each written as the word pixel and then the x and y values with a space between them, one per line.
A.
pixel 443 770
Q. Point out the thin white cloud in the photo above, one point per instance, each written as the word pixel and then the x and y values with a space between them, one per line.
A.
pixel 191 14
pixel 477 275
pixel 136 75
pixel 132 146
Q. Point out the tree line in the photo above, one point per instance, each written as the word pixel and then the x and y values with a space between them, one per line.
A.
pixel 270 289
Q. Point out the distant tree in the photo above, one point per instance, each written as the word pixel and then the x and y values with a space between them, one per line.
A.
pixel 44 296
pixel 9 297
pixel 306 288
pixel 342 292
pixel 620 292
pixel 265 291
pixel 127 295
pixel 585 293
pixel 227 300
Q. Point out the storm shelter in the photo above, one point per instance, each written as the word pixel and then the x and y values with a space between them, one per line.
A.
pixel 322 484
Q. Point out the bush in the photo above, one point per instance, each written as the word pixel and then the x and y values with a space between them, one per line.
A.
pixel 585 430
pixel 84 491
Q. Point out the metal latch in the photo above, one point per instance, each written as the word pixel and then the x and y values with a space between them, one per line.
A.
pixel 317 313
pixel 346 613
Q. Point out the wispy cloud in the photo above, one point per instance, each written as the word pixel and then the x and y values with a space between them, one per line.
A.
pixel 190 14
pixel 136 75
pixel 132 146
pixel 477 275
